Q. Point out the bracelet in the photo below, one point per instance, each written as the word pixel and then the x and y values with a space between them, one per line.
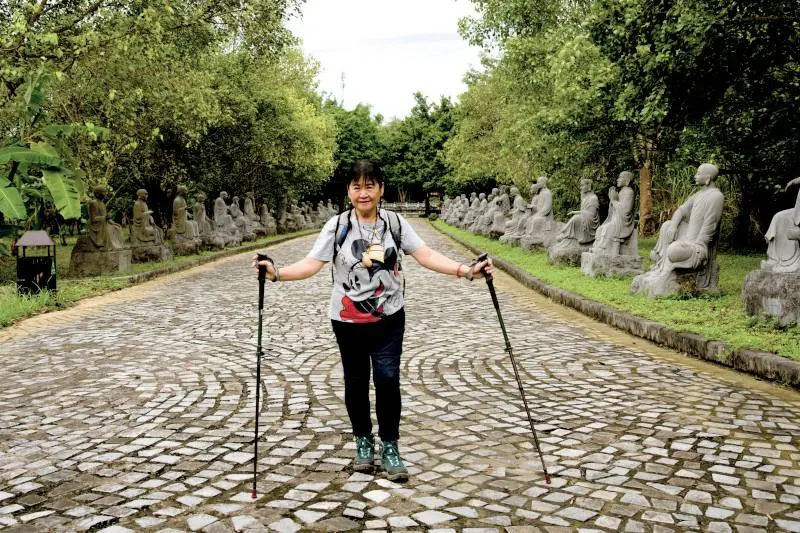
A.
pixel 458 270
pixel 470 275
pixel 277 276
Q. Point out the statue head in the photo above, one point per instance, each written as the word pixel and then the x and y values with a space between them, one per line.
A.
pixel 99 191
pixel 514 191
pixel 200 197
pixel 624 179
pixel 495 191
pixel 141 194
pixel 542 182
pixel 223 195
pixel 473 195
pixel 706 173
pixel 586 185
pixel 482 196
pixel 182 190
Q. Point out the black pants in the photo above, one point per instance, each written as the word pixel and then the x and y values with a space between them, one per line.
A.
pixel 379 345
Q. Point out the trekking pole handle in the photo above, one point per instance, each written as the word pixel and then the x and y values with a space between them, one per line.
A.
pixel 483 257
pixel 262 269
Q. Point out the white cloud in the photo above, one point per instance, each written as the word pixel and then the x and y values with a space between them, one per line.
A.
pixel 387 50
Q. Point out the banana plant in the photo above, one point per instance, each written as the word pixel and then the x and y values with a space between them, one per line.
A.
pixel 39 160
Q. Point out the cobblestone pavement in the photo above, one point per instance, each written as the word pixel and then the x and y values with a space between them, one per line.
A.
pixel 135 412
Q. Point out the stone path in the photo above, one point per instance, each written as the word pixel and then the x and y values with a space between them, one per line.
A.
pixel 135 412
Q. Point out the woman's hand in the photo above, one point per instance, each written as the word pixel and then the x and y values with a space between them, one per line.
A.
pixel 271 270
pixel 478 269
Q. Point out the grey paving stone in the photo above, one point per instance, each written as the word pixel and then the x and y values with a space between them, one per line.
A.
pixel 635 441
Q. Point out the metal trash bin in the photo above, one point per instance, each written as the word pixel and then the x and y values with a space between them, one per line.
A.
pixel 36 262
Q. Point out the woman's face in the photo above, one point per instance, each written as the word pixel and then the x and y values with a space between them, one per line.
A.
pixel 365 195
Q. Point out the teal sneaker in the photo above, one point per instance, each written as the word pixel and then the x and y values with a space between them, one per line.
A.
pixel 391 462
pixel 365 454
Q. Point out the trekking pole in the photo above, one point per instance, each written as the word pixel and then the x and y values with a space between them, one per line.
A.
pixel 490 284
pixel 262 276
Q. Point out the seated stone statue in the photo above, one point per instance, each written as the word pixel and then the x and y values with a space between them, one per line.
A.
pixel 502 205
pixel 541 228
pixel 686 248
pixel 104 233
pixel 578 233
pixel 250 214
pixel 519 210
pixel 147 239
pixel 615 251
pixel 484 222
pixel 208 237
pixel 267 220
pixel 471 213
pixel 774 289
pixel 783 238
pixel 223 222
pixel 102 250
pixel 183 235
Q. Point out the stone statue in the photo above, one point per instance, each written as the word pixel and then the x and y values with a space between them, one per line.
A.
pixel 102 250
pixel 783 238
pixel 686 250
pixel 183 235
pixel 242 223
pixel 250 214
pixel 519 211
pixel 483 222
pixel 267 220
pixel 472 211
pixel 223 222
pixel 147 239
pixel 499 217
pixel 578 233
pixel 541 228
pixel 774 289
pixel 615 251
pixel 209 237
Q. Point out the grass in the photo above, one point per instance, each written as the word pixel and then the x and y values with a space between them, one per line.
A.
pixel 14 307
pixel 715 317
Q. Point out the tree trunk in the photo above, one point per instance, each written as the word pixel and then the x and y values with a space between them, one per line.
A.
pixel 644 147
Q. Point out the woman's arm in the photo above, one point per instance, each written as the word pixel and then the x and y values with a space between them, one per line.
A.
pixel 433 260
pixel 305 268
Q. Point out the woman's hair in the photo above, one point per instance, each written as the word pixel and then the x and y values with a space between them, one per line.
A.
pixel 367 171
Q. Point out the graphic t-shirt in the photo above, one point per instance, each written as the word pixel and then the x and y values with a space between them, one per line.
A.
pixel 362 294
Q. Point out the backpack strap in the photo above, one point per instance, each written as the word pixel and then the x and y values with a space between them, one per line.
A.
pixel 340 236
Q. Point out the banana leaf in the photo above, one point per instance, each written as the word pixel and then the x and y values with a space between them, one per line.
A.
pixel 63 189
pixel 11 204
pixel 22 154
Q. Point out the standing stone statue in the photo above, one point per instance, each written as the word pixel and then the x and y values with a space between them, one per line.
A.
pixel 774 289
pixel 615 251
pixel 102 250
pixel 519 211
pixel 541 228
pixel 242 223
pixel 183 235
pixel 483 222
pixel 469 216
pixel 578 234
pixel 209 238
pixel 686 251
pixel 147 239
pixel 223 222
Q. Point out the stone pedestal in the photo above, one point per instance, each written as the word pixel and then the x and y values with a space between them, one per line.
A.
pixel 567 253
pixel 611 266
pixel 656 284
pixel 773 293
pixel 84 263
pixel 543 238
pixel 151 252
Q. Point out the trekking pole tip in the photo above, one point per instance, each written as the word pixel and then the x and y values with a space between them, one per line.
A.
pixel 254 495
pixel 546 479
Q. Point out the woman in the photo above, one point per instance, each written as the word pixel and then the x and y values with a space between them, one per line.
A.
pixel 366 310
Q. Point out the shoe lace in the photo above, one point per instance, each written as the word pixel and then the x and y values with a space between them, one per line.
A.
pixel 364 445
pixel 391 455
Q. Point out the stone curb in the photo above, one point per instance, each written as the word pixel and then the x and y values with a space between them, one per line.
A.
pixel 146 276
pixel 764 365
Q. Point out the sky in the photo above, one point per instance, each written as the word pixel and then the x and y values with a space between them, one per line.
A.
pixel 387 50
